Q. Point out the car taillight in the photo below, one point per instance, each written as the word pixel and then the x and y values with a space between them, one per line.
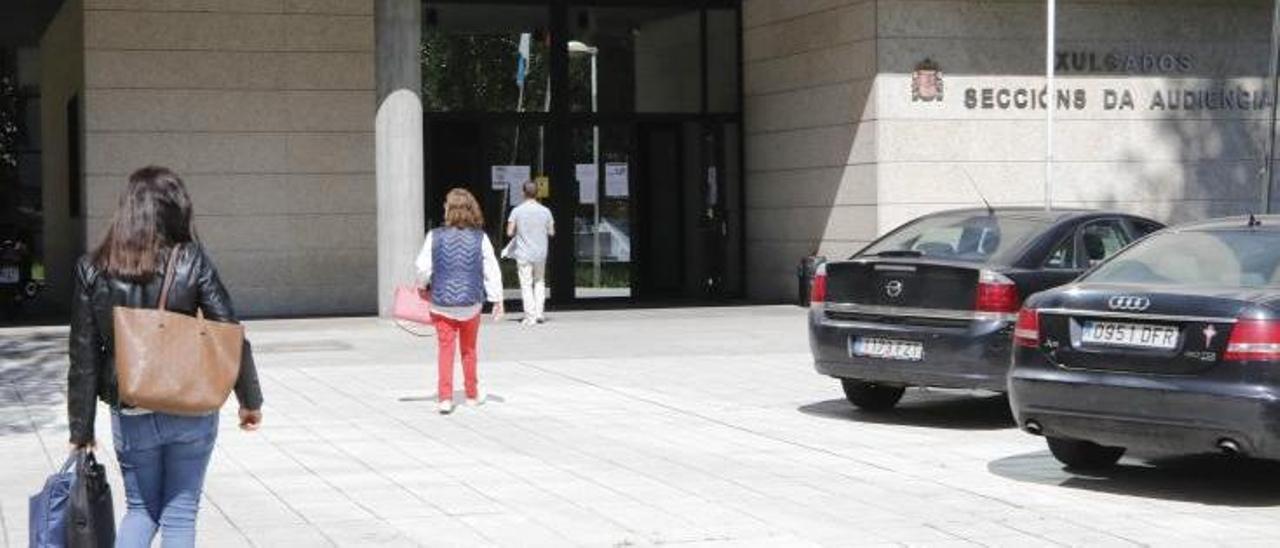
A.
pixel 996 293
pixel 1027 332
pixel 818 289
pixel 1254 340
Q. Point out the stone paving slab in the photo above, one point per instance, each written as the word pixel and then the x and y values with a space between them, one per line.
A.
pixel 697 427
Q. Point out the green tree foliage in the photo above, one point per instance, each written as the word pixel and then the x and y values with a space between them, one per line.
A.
pixel 8 127
pixel 477 73
pixel 9 135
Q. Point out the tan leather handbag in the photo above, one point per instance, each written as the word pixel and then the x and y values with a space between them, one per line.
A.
pixel 174 363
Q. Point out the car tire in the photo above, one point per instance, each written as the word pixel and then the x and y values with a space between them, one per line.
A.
pixel 1084 455
pixel 869 396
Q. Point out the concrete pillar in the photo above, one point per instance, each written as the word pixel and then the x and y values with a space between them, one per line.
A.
pixel 62 107
pixel 398 144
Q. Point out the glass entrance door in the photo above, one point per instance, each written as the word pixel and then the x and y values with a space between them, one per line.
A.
pixel 491 160
pixel 661 197
pixel 604 217
pixel 657 212
pixel 627 114
pixel 721 207
pixel 687 203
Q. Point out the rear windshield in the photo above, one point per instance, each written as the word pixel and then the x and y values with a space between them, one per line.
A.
pixel 1218 258
pixel 971 237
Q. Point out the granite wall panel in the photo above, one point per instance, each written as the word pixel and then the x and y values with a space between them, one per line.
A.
pixel 267 109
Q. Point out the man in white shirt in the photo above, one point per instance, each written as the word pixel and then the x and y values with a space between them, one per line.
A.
pixel 529 226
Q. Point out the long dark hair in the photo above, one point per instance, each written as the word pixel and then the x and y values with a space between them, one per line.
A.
pixel 154 214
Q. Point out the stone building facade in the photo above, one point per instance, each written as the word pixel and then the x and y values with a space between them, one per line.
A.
pixel 265 106
pixel 1164 111
pixel 857 116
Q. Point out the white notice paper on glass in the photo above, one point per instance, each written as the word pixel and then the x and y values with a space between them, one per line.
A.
pixel 503 177
pixel 587 175
pixel 713 188
pixel 516 193
pixel 615 179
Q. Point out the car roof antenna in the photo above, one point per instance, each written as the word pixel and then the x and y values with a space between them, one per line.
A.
pixel 974 184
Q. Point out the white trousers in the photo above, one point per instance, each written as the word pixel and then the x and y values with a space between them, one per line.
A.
pixel 533 287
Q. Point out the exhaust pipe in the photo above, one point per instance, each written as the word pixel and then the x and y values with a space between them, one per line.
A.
pixel 1033 427
pixel 1229 447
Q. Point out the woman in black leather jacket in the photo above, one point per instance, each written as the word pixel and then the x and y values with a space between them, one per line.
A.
pixel 163 457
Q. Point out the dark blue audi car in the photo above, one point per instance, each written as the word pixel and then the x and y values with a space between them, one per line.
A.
pixel 933 303
pixel 1171 346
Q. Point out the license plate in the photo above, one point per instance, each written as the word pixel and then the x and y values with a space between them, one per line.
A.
pixel 1137 335
pixel 886 349
pixel 9 275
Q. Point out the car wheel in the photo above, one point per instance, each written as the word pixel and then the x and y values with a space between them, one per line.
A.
pixel 870 396
pixel 1084 455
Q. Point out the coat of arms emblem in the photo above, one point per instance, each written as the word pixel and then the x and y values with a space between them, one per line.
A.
pixel 926 82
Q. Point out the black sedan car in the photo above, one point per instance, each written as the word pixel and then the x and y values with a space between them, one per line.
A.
pixel 1172 346
pixel 933 303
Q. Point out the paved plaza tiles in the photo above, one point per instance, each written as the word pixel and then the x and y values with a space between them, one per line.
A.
pixel 687 427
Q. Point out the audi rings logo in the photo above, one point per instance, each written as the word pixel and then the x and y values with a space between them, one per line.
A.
pixel 1130 304
pixel 893 288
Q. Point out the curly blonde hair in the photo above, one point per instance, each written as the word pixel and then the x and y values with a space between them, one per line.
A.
pixel 461 210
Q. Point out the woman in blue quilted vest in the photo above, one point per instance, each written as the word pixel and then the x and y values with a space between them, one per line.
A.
pixel 461 271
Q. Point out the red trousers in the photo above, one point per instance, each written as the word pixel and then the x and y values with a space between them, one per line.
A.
pixel 452 333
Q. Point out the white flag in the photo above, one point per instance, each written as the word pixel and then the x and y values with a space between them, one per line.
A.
pixel 522 59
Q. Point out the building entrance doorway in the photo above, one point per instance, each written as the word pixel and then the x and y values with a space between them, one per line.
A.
pixel 625 113
pixel 690 247
pixel 662 256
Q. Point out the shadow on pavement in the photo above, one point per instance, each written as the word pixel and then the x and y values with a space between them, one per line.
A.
pixel 458 398
pixel 1210 479
pixel 954 410
pixel 32 379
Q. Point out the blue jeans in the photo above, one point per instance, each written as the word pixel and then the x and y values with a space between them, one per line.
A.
pixel 163 459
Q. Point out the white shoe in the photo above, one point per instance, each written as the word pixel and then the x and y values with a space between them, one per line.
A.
pixel 445 407
pixel 528 321
pixel 481 397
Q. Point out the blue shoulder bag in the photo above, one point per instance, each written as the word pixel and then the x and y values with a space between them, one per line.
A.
pixel 47 519
pixel 74 509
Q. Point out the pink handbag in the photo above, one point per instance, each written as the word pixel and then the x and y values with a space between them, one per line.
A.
pixel 412 304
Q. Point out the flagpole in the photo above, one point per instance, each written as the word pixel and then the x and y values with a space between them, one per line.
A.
pixel 546 107
pixel 515 147
pixel 515 151
pixel 522 68
pixel 523 57
pixel 1268 163
pixel 1051 93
